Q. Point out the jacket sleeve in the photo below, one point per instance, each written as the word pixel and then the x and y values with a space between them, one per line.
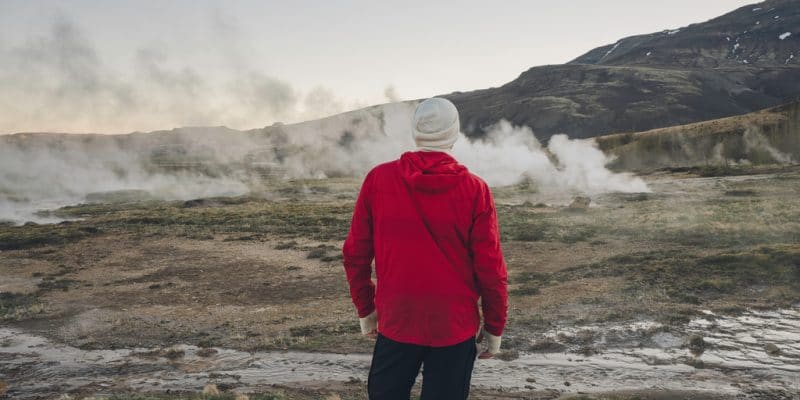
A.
pixel 358 253
pixel 490 267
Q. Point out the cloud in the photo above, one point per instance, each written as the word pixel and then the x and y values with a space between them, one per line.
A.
pixel 58 82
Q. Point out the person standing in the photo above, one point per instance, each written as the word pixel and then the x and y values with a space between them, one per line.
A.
pixel 431 227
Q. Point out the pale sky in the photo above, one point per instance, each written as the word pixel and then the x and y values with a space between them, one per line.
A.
pixel 329 56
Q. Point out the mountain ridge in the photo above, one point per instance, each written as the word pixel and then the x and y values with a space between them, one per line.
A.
pixel 748 35
pixel 690 75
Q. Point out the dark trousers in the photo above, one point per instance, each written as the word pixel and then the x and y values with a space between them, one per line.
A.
pixel 446 371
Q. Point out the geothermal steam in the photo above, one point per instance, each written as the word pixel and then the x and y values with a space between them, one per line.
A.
pixel 510 154
pixel 48 171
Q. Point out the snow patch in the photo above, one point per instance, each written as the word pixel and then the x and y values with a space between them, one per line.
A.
pixel 648 53
pixel 673 32
pixel 728 38
pixel 776 17
pixel 789 59
pixel 735 47
pixel 784 35
pixel 610 51
pixel 757 9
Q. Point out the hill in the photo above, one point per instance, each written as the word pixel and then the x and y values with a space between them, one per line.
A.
pixel 770 136
pixel 741 62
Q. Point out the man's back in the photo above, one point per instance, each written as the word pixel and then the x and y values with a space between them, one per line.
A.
pixel 436 247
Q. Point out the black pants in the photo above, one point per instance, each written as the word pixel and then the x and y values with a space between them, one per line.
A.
pixel 446 371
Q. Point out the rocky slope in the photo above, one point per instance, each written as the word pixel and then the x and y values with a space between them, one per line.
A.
pixel 740 62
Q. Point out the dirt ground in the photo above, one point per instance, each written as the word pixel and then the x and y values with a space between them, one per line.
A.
pixel 264 272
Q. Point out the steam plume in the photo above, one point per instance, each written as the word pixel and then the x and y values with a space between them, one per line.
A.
pixel 47 171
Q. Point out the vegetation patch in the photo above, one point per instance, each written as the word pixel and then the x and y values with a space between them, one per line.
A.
pixel 286 245
pixel 56 284
pixel 15 306
pixel 688 279
pixel 741 193
pixel 33 235
pixel 313 220
pixel 196 396
pixel 317 330
pixel 524 223
pixel 316 253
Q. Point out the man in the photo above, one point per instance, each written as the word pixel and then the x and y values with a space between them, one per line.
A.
pixel 431 227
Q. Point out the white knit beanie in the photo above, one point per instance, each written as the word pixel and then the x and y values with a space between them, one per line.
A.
pixel 435 124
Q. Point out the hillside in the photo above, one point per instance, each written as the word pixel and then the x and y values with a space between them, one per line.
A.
pixel 731 65
pixel 770 136
pixel 750 35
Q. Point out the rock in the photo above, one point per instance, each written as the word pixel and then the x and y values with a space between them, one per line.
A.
pixel 696 344
pixel 772 349
pixel 174 354
pixel 242 397
pixel 530 380
pixel 587 351
pixel 546 345
pixel 206 352
pixel 3 388
pixel 696 363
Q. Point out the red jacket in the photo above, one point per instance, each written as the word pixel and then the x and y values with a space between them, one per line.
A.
pixel 429 278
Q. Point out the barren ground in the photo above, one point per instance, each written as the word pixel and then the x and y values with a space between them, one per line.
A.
pixel 263 273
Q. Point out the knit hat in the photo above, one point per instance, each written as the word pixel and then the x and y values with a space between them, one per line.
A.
pixel 435 124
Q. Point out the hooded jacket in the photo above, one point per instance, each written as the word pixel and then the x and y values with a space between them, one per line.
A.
pixel 431 228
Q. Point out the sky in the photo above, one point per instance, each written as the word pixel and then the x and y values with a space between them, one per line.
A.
pixel 119 66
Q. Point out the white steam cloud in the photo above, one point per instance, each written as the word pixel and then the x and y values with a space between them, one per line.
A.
pixel 509 154
pixel 43 171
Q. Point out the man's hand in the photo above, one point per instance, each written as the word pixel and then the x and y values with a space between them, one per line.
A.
pixel 369 325
pixel 492 345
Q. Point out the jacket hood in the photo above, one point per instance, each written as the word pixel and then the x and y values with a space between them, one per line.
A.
pixel 431 171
